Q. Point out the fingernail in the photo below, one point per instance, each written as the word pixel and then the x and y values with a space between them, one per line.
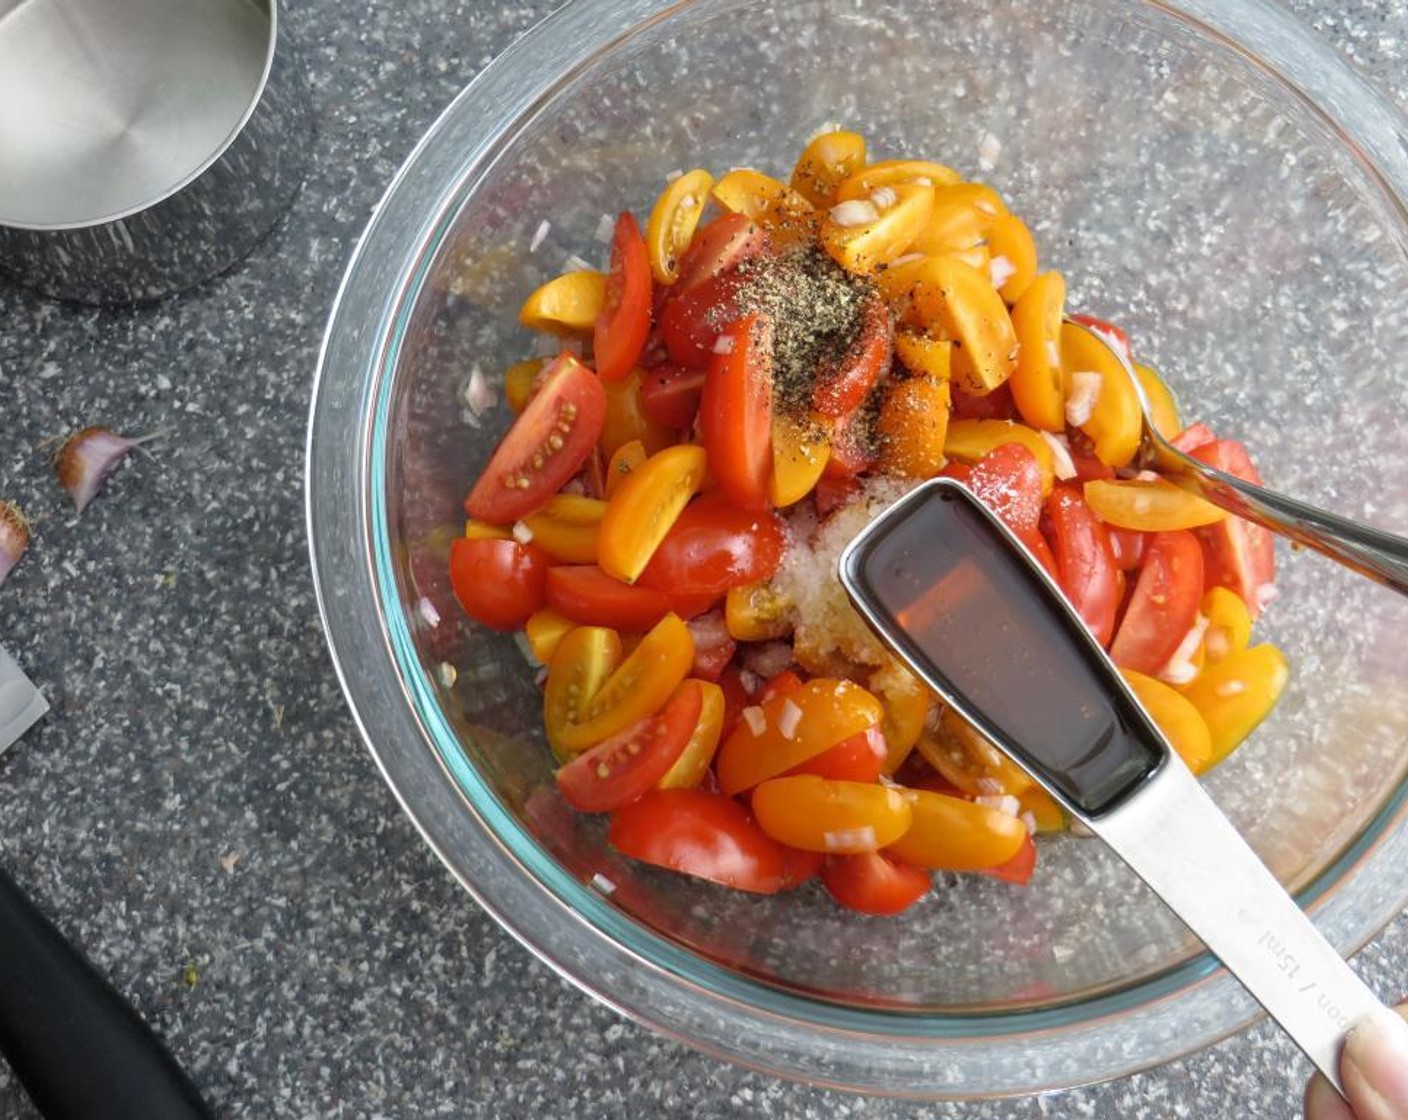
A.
pixel 1376 1050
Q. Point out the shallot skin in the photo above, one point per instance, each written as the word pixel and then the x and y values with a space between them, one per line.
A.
pixel 14 537
pixel 87 460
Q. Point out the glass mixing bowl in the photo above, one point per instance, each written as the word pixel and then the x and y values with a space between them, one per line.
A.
pixel 1204 172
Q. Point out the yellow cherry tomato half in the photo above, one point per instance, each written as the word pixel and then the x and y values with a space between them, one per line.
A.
pixel 958 751
pixel 566 527
pixel 641 685
pixel 643 507
pixel 583 661
pixel 953 227
pixel 822 815
pixel 951 834
pixel 920 354
pixel 979 197
pixel 1162 406
pixel 755 612
pixel 1229 624
pixel 969 440
pixel 672 223
pixel 567 305
pixel 1113 422
pixel 1237 693
pixel 1045 810
pixel 906 702
pixel 483 531
pixel 1038 384
pixel 623 464
pixel 912 426
pixel 800 449
pixel 961 301
pixel 788 730
pixel 895 173
pixel 1009 240
pixel 626 419
pixel 826 163
pixel 1176 717
pixel 693 763
pixel 865 234
pixel 759 196
pixel 1153 505
pixel 521 382
pixel 545 630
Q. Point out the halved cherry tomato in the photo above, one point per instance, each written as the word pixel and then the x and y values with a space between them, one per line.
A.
pixel 720 247
pixel 1038 384
pixel 624 322
pixel 968 761
pixel 758 196
pixel 951 834
pixel 1241 556
pixel 923 355
pixel 566 528
pixel 566 305
pixel 800 449
pixel 624 766
pixel 1115 334
pixel 642 683
pixel 521 382
pixel 780 684
pixel 701 834
pixel 1164 604
pixel 793 729
pixel 912 426
pixel 834 491
pixel 1229 623
pixel 826 162
pixel 1194 436
pixel 1237 693
pixel 1128 546
pixel 583 661
pixel 1010 240
pixel 969 440
pixel 756 613
pixel 819 815
pixel 861 758
pixel 996 405
pixel 544 630
pixel 1008 481
pixel 623 464
pixel 694 316
pixel 1162 405
pixel 907 702
pixel 1084 560
pixel 627 419
pixel 962 301
pixel 498 583
pixel 844 382
pixel 693 763
pixel 1115 424
pixel 590 597
pixel 1176 716
pixel 643 507
pixel 714 546
pixel 1151 505
pixel 852 451
pixel 669 395
pixel 873 883
pixel 896 173
pixel 714 647
pixel 547 445
pixel 1019 868
pixel 673 220
pixel 736 413
pixel 865 235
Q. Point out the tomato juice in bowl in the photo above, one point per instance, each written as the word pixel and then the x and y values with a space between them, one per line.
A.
pixel 982 988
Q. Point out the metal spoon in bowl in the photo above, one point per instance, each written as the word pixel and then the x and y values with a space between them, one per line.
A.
pixel 1381 556
pixel 949 588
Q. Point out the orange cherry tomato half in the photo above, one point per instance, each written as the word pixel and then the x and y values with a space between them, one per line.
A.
pixel 714 546
pixel 499 583
pixel 1240 556
pixel 1164 604
pixel 621 768
pixel 873 883
pixel 792 728
pixel 702 834
pixel 736 412
pixel 624 322
pixel 838 818
pixel 644 506
pixel 844 382
pixel 952 834
pixel 1084 561
pixel 590 597
pixel 548 443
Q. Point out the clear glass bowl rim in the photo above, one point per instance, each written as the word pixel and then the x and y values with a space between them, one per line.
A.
pixel 566 924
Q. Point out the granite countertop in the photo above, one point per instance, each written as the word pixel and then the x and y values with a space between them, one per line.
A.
pixel 198 812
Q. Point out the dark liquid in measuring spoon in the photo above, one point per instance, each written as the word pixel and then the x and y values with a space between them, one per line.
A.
pixel 963 606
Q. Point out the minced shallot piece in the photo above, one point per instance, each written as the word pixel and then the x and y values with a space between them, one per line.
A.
pixel 1062 464
pixel 1180 668
pixel 789 719
pixel 1085 395
pixel 854 212
pixel 755 719
pixel 1001 270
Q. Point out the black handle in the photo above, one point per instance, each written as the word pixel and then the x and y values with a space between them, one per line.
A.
pixel 74 1043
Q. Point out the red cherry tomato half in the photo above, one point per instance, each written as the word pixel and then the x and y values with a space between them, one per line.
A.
pixel 1037 546
pixel 617 771
pixel 669 395
pixel 798 866
pixel 713 648
pixel 1008 481
pixel 1019 868
pixel 714 546
pixel 720 247
pixel 843 384
pixel 498 583
pixel 736 413
pixel 851 452
pixel 873 883
pixel 782 684
pixel 702 834
pixel 1086 565
pixel 1193 437
pixel 1113 333
pixel 624 322
pixel 1128 545
pixel 859 758
pixel 833 492
pixel 1240 556
pixel 1164 605
pixel 692 319
pixel 736 698
pixel 997 405
pixel 590 597
pixel 553 436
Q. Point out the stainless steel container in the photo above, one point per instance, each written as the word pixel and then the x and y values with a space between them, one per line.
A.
pixel 145 145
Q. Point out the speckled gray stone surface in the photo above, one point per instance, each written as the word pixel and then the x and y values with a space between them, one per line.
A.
pixel 198 812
